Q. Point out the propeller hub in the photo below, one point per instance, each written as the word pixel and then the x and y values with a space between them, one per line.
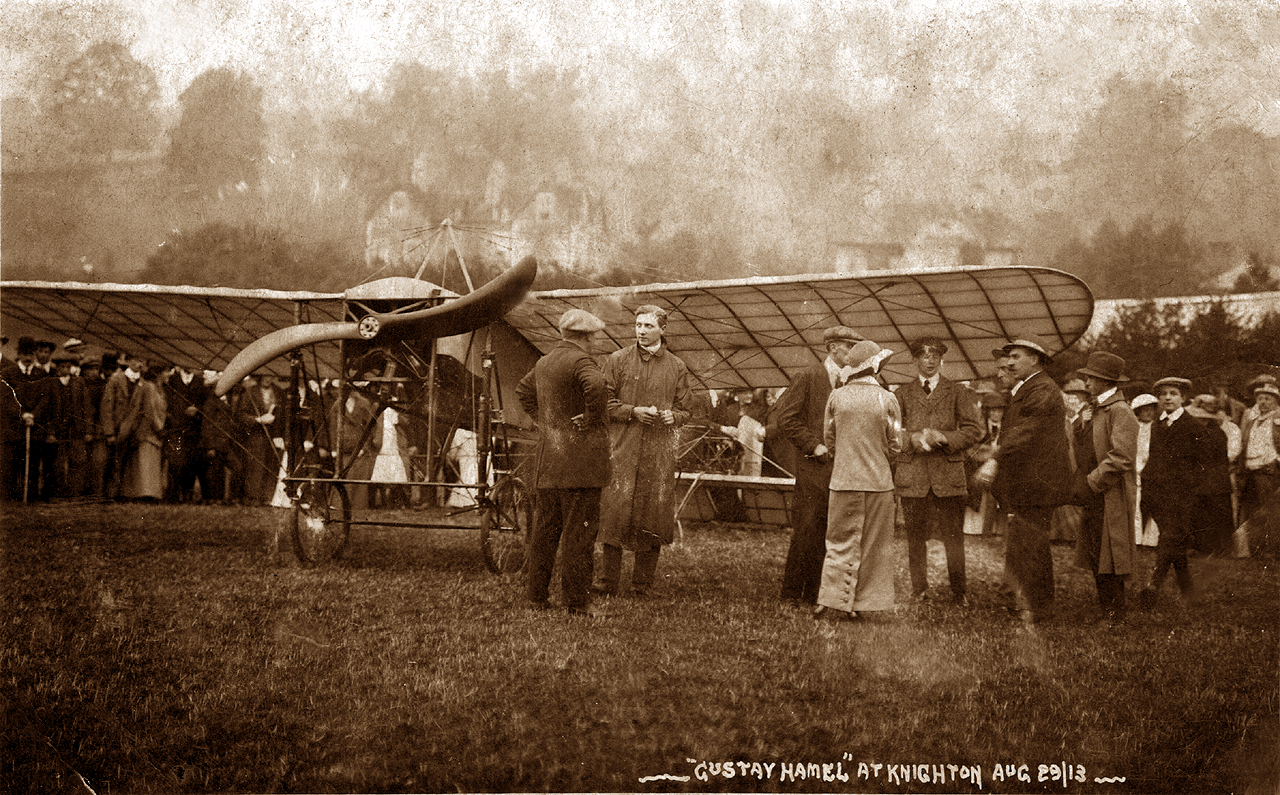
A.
pixel 369 327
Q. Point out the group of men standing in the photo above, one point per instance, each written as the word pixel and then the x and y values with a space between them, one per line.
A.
pixel 118 427
pixel 860 446
pixel 606 456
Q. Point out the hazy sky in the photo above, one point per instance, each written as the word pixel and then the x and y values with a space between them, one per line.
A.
pixel 1040 63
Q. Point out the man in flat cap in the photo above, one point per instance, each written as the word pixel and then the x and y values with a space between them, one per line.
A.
pixel 1174 470
pixel 22 403
pixel 800 413
pixel 862 426
pixel 566 393
pixel 1106 485
pixel 1030 473
pixel 649 400
pixel 942 422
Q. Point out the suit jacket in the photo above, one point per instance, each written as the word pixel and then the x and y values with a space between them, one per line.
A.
pixel 116 397
pixel 949 408
pixel 799 416
pixel 566 383
pixel 1033 458
pixel 1178 459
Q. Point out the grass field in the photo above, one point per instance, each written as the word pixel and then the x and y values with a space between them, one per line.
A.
pixel 151 648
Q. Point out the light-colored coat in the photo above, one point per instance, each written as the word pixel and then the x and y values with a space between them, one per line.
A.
pixel 641 496
pixel 864 427
pixel 1115 444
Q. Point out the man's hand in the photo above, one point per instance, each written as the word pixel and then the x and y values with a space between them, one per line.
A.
pixel 645 415
pixel 191 411
pixel 267 419
pixel 28 418
pixel 668 417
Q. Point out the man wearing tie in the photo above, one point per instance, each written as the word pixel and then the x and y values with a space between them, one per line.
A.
pixel 1175 467
pixel 941 419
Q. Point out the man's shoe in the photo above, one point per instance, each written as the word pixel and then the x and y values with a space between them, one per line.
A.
pixel 1147 598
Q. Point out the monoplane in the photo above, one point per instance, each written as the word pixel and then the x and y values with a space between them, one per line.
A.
pixel 453 360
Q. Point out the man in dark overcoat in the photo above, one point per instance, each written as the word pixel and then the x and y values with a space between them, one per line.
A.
pixel 1176 466
pixel 1030 474
pixel 185 393
pixel 941 419
pixel 23 401
pixel 800 414
pixel 566 393
pixel 1106 484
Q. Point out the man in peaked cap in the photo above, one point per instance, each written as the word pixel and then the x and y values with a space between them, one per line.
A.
pixel 1106 485
pixel 942 424
pixel 799 418
pixel 1030 473
pixel 567 395
pixel 1175 468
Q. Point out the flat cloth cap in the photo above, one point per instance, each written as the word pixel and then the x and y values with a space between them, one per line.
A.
pixel 579 320
pixel 1183 385
pixel 842 334
pixel 1030 342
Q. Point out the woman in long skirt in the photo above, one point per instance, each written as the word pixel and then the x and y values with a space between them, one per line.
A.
pixel 144 479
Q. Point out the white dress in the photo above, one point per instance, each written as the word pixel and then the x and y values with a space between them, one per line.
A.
pixel 389 467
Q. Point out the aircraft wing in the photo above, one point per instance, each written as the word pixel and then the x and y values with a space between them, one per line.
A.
pixel 758 332
pixel 201 328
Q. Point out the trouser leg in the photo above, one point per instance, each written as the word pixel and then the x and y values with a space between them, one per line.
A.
pixel 1029 558
pixel 646 568
pixel 580 514
pixel 916 512
pixel 543 543
pixel 802 574
pixel 611 568
pixel 949 517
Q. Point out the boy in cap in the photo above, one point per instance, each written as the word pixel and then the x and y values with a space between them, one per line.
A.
pixel 1175 467
pixel 942 423
pixel 800 413
pixel 565 393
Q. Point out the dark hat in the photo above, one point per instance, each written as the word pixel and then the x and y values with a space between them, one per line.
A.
pixel 580 321
pixel 1030 341
pixel 1183 384
pixel 63 356
pixel 26 346
pixel 1106 366
pixel 1075 385
pixel 928 343
pixel 91 361
pixel 45 345
pixel 841 334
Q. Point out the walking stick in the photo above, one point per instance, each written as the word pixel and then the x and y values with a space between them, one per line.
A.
pixel 26 468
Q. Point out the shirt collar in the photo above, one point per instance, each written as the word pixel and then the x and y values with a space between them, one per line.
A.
pixel 1170 417
pixel 833 372
pixel 654 351
pixel 932 382
pixel 1103 397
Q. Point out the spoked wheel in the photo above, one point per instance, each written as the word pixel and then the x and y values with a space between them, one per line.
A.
pixel 322 522
pixel 505 526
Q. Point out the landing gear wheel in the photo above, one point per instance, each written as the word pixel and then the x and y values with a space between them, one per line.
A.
pixel 505 525
pixel 322 522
